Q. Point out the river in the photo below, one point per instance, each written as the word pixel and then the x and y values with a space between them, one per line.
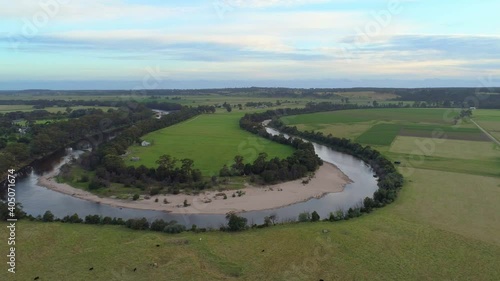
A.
pixel 37 199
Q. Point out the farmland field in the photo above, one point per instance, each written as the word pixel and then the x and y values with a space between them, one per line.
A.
pixel 408 115
pixel 222 139
pixel 489 120
pixel 446 148
pixel 25 108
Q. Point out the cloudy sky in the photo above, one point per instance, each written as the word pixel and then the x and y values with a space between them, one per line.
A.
pixel 151 43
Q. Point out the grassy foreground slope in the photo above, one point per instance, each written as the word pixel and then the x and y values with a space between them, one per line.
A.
pixel 413 239
pixel 211 140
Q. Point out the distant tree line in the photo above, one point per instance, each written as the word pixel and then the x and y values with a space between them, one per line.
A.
pixel 451 97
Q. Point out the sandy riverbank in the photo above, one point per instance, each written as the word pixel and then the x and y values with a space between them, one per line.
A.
pixel 328 179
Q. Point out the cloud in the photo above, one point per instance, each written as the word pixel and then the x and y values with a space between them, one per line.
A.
pixel 88 10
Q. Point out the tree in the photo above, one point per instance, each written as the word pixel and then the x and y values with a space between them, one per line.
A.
pixel 235 223
pixel 224 172
pixel 167 162
pixel 113 163
pixel 315 216
pixel 260 163
pixel 93 219
pixel 368 204
pixel 48 216
pixel 238 165
pixel 158 225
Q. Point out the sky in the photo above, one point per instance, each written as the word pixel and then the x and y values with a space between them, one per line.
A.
pixel 124 44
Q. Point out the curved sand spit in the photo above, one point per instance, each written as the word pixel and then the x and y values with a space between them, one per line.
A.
pixel 328 179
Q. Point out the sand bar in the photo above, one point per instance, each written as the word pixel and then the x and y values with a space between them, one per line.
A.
pixel 328 179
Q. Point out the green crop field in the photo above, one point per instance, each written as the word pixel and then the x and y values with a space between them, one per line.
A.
pixel 12 108
pixel 381 134
pixel 448 148
pixel 25 108
pixel 211 140
pixel 489 120
pixel 407 115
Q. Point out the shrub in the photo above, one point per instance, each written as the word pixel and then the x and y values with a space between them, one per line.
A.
pixel 174 228
pixel 136 197
pixel 154 191
pixel 158 225
pixel 235 222
pixel 137 224
pixel 107 220
pixel 93 219
pixel 304 217
pixel 84 178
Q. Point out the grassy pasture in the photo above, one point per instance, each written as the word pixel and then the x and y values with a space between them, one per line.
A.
pixel 406 115
pixel 210 140
pixel 12 108
pixel 380 134
pixel 350 131
pixel 26 108
pixel 447 148
pixel 489 120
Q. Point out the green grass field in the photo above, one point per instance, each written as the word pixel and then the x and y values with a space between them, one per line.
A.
pixel 489 120
pixel 407 115
pixel 380 134
pixel 25 108
pixel 211 141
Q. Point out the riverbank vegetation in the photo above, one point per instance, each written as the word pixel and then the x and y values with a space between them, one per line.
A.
pixel 23 145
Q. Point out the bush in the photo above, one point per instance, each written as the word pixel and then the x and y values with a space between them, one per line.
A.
pixel 174 228
pixel 97 183
pixel 136 197
pixel 137 224
pixel 72 219
pixel 93 219
pixel 158 225
pixel 107 220
pixel 154 191
pixel 368 204
pixel 235 223
pixel 304 217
